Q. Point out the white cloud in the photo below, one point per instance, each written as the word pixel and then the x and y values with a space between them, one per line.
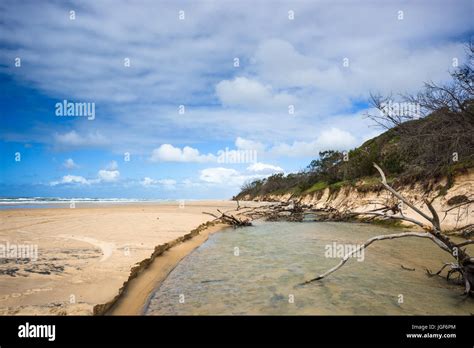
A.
pixel 74 139
pixel 247 144
pixel 278 61
pixel 70 164
pixel 71 179
pixel 220 175
pixel 230 177
pixel 246 92
pixel 263 167
pixel 336 139
pixel 323 72
pixel 169 153
pixel 168 184
pixel 108 175
pixel 148 182
pixel 330 139
pixel 105 175
pixel 188 183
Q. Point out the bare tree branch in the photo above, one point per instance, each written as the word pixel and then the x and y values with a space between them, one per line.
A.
pixel 396 217
pixel 377 238
pixel 467 242
pixel 399 196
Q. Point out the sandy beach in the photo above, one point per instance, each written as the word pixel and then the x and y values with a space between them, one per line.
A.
pixel 86 254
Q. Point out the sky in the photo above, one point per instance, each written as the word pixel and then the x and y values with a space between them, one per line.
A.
pixel 192 99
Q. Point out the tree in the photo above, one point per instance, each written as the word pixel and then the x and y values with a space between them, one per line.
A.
pixel 326 168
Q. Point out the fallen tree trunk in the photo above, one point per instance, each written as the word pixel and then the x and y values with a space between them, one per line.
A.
pixel 463 265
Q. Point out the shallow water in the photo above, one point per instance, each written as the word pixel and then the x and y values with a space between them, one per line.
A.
pixel 260 277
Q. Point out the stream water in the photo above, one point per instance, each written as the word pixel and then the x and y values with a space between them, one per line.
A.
pixel 255 270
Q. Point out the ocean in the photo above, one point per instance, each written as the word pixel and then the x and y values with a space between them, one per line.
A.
pixel 59 202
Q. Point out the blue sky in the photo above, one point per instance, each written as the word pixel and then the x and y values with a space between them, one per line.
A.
pixel 139 63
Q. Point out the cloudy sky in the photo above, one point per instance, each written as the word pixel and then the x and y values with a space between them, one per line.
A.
pixel 174 85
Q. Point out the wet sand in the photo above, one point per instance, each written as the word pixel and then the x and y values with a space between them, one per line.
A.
pixel 86 254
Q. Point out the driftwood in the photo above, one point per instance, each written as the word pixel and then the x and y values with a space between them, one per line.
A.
pixel 293 211
pixel 407 268
pixel 370 241
pixel 464 231
pixel 463 264
pixel 230 219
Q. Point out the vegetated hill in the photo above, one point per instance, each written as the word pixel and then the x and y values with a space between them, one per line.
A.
pixel 423 150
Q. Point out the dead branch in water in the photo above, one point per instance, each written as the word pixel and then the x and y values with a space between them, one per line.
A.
pixel 463 231
pixel 464 264
pixel 407 268
pixel 370 241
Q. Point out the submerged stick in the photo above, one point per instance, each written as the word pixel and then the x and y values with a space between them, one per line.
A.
pixel 374 239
